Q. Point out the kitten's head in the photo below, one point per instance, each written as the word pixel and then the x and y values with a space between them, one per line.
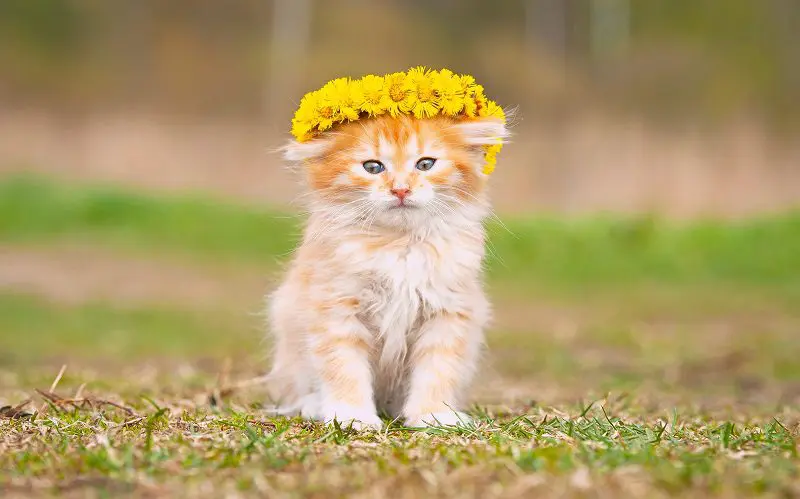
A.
pixel 399 171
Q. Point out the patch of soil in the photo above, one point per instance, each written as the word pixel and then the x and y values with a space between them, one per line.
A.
pixel 78 274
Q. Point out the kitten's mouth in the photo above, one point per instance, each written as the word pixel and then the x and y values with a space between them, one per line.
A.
pixel 402 205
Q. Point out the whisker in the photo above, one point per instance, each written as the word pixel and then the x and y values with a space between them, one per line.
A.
pixel 492 213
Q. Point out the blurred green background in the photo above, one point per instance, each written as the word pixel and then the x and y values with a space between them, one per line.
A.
pixel 650 193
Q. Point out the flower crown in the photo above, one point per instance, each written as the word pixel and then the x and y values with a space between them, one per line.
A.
pixel 419 92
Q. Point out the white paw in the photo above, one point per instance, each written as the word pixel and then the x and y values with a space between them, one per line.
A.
pixel 444 418
pixel 357 418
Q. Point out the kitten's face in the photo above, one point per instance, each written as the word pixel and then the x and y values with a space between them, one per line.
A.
pixel 396 171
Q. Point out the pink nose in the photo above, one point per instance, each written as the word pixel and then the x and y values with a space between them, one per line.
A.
pixel 400 193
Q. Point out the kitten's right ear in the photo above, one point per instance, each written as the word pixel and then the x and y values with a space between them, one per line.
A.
pixel 483 132
pixel 297 152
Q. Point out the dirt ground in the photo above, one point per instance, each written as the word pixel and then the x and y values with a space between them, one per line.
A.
pixel 598 335
pixel 77 274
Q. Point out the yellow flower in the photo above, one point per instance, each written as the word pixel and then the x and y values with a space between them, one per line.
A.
pixel 492 109
pixel 305 111
pixel 326 109
pixel 395 93
pixel 451 93
pixel 422 99
pixel 467 83
pixel 474 102
pixel 419 92
pixel 301 129
pixel 345 99
pixel 469 87
pixel 491 158
pixel 304 119
pixel 481 102
pixel 374 96
pixel 352 99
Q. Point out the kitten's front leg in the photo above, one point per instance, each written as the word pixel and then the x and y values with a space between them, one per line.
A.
pixel 340 356
pixel 443 360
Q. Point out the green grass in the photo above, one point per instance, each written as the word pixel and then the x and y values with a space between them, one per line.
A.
pixel 163 448
pixel 553 252
pixel 38 329
pixel 662 358
pixel 36 210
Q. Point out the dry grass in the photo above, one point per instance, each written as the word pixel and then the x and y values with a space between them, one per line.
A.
pixel 147 446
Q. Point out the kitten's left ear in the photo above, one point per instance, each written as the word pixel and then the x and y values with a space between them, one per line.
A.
pixel 483 132
pixel 297 152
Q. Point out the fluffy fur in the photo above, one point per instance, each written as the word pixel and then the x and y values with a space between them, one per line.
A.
pixel 382 308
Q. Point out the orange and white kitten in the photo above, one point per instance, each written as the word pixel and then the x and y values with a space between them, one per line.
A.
pixel 382 309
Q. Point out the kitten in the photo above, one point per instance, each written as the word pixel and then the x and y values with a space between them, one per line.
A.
pixel 382 309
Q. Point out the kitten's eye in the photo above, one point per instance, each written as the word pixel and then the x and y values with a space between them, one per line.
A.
pixel 374 167
pixel 425 164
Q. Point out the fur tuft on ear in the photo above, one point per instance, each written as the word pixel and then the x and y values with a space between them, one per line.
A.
pixel 484 132
pixel 296 152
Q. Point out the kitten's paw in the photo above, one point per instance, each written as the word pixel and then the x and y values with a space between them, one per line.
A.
pixel 359 419
pixel 359 425
pixel 443 418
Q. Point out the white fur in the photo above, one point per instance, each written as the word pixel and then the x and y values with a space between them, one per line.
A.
pixel 303 151
pixel 483 132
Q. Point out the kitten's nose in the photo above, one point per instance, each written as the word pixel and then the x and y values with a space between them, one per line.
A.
pixel 400 193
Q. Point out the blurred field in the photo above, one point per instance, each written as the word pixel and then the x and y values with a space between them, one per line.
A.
pixel 675 107
pixel 683 335
pixel 579 165
pixel 646 273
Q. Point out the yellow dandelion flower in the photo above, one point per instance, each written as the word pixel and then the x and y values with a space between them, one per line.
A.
pixel 491 158
pixel 419 92
pixel 351 98
pixel 345 97
pixel 468 84
pixel 418 73
pixel 305 112
pixel 304 119
pixel 301 129
pixel 469 87
pixel 450 91
pixel 493 110
pixel 482 105
pixel 395 93
pixel 422 100
pixel 326 109
pixel 475 103
pixel 470 108
pixel 374 96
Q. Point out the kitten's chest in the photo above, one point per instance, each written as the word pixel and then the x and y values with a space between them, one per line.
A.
pixel 408 280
